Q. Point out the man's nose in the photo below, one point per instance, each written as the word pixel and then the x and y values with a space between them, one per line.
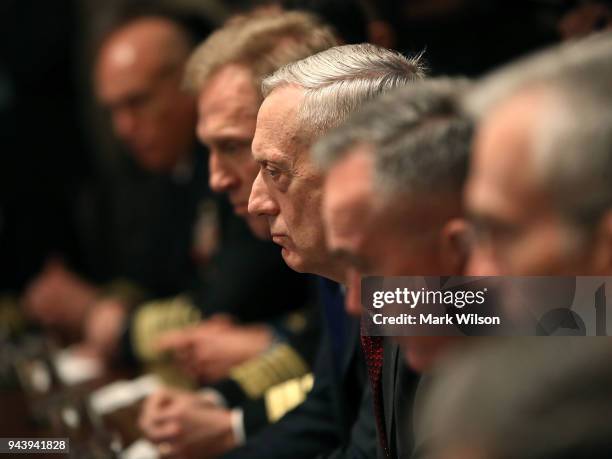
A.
pixel 260 201
pixel 124 124
pixel 481 262
pixel 221 178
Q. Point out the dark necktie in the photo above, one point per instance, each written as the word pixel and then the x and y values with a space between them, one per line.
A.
pixel 373 351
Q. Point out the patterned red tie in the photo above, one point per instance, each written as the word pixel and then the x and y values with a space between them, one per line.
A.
pixel 373 351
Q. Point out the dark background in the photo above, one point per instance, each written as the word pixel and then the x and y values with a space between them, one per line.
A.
pixel 62 177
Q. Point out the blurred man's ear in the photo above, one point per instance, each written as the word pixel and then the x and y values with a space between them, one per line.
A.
pixel 454 246
pixel 602 248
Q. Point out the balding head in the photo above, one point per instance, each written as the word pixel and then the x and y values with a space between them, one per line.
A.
pixel 138 74
pixel 154 42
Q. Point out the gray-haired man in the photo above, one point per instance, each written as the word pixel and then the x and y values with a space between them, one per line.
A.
pixel 303 101
pixel 540 197
pixel 539 187
pixel 392 207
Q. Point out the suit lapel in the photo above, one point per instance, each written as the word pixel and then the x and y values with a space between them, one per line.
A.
pixel 351 345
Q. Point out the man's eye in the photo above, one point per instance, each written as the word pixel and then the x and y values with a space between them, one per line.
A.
pixel 479 231
pixel 272 173
pixel 231 147
pixel 497 233
pixel 137 101
pixel 362 266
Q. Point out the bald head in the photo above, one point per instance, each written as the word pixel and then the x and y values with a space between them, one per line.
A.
pixel 154 42
pixel 138 74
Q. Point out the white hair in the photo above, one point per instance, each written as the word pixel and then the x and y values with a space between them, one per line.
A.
pixel 339 80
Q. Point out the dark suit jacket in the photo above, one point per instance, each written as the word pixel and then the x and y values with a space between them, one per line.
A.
pixel 399 385
pixel 336 420
pixel 138 226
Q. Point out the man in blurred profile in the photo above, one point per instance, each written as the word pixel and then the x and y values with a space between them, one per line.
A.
pixel 539 195
pixel 520 399
pixel 538 190
pixel 138 73
pixel 137 78
pixel 392 207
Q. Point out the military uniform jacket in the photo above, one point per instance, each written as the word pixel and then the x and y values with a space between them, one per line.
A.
pixel 336 420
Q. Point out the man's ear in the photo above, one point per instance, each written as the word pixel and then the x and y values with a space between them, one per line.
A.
pixel 454 246
pixel 602 249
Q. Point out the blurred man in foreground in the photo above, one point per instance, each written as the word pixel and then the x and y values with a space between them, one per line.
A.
pixel 137 78
pixel 392 207
pixel 539 195
pixel 539 188
pixel 521 399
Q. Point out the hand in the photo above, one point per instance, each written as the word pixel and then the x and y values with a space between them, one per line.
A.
pixel 208 352
pixel 103 328
pixel 185 426
pixel 59 298
pixel 181 341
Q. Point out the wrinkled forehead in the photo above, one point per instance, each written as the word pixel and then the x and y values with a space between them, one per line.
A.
pixel 278 133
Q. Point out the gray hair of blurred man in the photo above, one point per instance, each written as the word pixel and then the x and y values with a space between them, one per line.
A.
pixel 339 80
pixel 420 139
pixel 573 145
pixel 527 398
